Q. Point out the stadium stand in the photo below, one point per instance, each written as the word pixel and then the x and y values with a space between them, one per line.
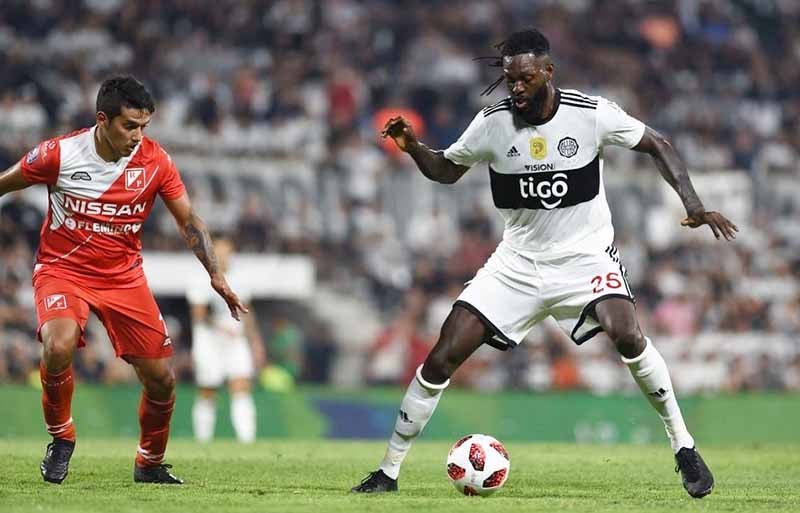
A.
pixel 270 110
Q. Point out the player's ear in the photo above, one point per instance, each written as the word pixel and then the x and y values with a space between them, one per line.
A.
pixel 102 119
pixel 549 69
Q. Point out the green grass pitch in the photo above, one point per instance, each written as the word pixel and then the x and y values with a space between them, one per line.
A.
pixel 315 476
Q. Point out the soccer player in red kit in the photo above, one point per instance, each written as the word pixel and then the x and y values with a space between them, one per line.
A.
pixel 102 183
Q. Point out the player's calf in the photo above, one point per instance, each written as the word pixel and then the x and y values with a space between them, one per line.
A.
pixel 55 465
pixel 462 333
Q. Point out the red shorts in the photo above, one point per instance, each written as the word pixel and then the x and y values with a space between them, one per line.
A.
pixel 131 316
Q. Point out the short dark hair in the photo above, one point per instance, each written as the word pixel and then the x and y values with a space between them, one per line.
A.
pixel 523 41
pixel 123 91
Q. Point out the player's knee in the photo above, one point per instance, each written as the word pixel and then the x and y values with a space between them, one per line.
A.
pixel 627 338
pixel 239 385
pixel 59 346
pixel 161 386
pixel 207 393
pixel 167 381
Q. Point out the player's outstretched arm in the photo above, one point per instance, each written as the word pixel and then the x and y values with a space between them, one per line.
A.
pixel 12 180
pixel 256 342
pixel 675 173
pixel 197 238
pixel 432 163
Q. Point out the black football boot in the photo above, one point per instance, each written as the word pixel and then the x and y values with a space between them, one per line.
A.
pixel 159 474
pixel 376 482
pixel 697 478
pixel 55 465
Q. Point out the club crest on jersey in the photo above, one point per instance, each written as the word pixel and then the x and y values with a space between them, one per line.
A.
pixel 135 179
pixel 538 148
pixel 32 155
pixel 55 302
pixel 568 147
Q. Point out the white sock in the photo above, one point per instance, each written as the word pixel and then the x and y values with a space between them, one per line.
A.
pixel 650 372
pixel 416 409
pixel 204 417
pixel 243 416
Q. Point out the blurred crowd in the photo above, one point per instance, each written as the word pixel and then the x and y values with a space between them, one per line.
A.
pixel 272 111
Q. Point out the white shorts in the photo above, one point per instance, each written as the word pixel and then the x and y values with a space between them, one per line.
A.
pixel 217 359
pixel 511 293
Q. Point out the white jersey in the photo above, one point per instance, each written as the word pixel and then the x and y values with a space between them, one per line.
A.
pixel 547 179
pixel 219 315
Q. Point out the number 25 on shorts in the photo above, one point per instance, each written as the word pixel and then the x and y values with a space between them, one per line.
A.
pixel 612 281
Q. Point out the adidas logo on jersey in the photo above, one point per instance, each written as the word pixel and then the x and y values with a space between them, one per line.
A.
pixel 512 152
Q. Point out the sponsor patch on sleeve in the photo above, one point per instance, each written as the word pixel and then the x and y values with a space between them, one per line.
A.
pixel 32 155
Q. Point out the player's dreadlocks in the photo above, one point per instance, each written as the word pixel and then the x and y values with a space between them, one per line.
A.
pixel 524 41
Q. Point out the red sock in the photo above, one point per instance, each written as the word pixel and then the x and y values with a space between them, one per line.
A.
pixel 57 402
pixel 154 419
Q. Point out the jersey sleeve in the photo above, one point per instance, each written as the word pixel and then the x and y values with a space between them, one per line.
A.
pixel 42 163
pixel 616 127
pixel 171 184
pixel 473 145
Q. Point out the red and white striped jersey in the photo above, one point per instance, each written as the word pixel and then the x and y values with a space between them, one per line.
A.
pixel 97 208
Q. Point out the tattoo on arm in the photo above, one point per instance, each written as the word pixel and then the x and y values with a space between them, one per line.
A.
pixel 434 165
pixel 197 239
pixel 671 167
pixel 677 176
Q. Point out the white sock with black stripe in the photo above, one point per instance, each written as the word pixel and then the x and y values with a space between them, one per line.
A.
pixel 651 374
pixel 416 410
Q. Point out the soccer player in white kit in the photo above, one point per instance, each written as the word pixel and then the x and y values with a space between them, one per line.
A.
pixel 544 147
pixel 223 350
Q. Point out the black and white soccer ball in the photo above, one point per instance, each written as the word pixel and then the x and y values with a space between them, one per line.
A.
pixel 478 465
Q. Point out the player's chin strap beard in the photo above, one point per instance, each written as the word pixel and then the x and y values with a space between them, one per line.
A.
pixel 535 111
